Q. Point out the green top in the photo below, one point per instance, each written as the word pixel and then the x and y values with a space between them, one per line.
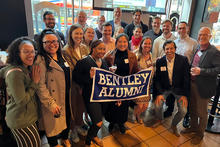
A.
pixel 21 107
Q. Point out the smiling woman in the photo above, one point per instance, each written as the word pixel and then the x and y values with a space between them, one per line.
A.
pixel 21 107
pixel 53 92
pixel 83 75
pixel 73 52
pixel 126 63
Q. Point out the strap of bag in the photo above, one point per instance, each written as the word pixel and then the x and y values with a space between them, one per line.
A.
pixel 13 69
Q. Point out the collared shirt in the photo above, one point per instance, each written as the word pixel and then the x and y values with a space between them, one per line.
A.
pixel 110 45
pixel 157 50
pixel 152 34
pixel 170 69
pixel 117 25
pixel 186 47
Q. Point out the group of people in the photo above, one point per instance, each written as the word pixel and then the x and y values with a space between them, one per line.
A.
pixel 49 82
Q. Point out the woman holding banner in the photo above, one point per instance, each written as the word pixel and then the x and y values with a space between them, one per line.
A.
pixel 126 62
pixel 83 74
pixel 144 61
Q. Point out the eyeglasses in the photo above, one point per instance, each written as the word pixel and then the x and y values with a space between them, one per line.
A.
pixel 51 42
pixel 50 19
pixel 26 52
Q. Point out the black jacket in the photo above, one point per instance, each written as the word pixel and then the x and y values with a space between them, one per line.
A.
pixel 180 80
pixel 129 29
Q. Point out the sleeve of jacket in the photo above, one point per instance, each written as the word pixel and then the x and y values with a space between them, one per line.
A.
pixel 128 30
pixel 43 92
pixel 186 77
pixel 155 51
pixel 135 64
pixel 214 66
pixel 22 95
pixel 79 74
pixel 145 28
pixel 157 79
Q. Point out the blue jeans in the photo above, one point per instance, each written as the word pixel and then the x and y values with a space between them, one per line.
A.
pixel 181 110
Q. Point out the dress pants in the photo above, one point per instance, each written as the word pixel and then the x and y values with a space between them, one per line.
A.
pixel 198 111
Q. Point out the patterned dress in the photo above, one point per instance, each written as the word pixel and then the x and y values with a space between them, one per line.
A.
pixel 143 64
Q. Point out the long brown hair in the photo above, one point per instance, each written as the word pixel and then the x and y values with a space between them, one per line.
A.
pixel 70 39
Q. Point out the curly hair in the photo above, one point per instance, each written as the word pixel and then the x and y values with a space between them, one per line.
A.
pixel 41 50
pixel 14 50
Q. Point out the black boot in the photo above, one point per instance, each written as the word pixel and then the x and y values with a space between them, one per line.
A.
pixel 186 121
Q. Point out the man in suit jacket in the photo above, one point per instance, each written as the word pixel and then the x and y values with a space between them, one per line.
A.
pixel 172 77
pixel 49 21
pixel 116 22
pixel 204 71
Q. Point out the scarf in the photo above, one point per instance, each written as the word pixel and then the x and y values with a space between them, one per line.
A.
pixel 136 41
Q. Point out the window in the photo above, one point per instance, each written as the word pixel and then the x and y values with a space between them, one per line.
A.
pixel 63 13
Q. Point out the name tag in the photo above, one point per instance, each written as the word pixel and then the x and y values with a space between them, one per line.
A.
pixel 126 61
pixel 199 53
pixel 163 68
pixel 66 64
pixel 149 62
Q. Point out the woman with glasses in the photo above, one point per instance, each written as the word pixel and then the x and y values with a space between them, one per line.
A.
pixel 54 87
pixel 21 79
pixel 73 52
pixel 83 74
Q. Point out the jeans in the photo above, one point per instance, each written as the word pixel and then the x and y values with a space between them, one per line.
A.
pixel 181 110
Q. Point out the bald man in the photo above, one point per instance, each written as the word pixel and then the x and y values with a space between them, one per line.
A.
pixel 204 71
pixel 98 30
pixel 117 22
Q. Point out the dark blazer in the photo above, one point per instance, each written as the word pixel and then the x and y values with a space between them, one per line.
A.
pixel 180 80
pixel 123 24
pixel 60 34
pixel 129 29
pixel 210 67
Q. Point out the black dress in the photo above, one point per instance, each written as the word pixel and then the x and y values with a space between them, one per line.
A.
pixel 81 75
pixel 115 114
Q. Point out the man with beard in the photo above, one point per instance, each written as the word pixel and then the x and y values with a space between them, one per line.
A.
pixel 49 21
pixel 157 50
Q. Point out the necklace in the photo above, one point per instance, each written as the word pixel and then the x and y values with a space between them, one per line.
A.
pixel 98 62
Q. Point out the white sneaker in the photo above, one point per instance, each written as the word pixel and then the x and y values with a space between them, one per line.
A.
pixel 74 136
pixel 81 131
